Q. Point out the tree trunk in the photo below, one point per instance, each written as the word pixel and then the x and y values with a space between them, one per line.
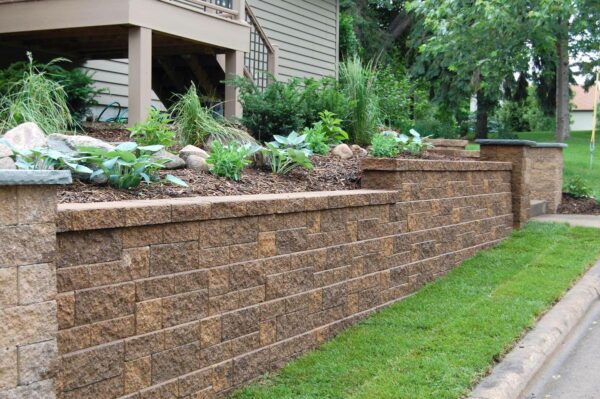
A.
pixel 481 124
pixel 563 91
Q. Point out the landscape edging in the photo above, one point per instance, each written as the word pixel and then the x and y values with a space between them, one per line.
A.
pixel 511 376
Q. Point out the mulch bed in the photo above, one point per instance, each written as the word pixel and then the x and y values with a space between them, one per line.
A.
pixel 579 206
pixel 110 132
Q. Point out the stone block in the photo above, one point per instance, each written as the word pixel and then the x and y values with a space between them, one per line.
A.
pixel 92 365
pixel 210 332
pixel 144 345
pixel 9 294
pixel 105 389
pixel 240 323
pixel 168 390
pixel 37 362
pixel 24 325
pixel 173 258
pixel 27 244
pixel 39 390
pixel 8 204
pixel 73 339
pixel 37 283
pixel 184 308
pixel 36 204
pixel 65 304
pixel 194 383
pixel 182 335
pixel 104 303
pixel 137 374
pixel 148 316
pixel 9 370
pixel 112 330
pixel 88 247
pixel 175 362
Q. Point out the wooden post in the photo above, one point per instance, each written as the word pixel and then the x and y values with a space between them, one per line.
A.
pixel 240 7
pixel 273 63
pixel 140 74
pixel 234 66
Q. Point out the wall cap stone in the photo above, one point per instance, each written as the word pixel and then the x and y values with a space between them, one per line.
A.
pixel 399 165
pixel 34 177
pixel 522 143
pixel 118 214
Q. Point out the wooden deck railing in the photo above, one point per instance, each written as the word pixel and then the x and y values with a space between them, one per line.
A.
pixel 261 61
pixel 229 9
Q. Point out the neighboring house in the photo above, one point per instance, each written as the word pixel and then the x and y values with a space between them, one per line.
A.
pixel 143 51
pixel 582 115
pixel 305 32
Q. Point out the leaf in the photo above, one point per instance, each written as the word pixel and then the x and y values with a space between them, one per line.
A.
pixel 129 146
pixel 152 148
pixel 176 180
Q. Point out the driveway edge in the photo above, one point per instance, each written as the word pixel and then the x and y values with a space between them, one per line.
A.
pixel 510 377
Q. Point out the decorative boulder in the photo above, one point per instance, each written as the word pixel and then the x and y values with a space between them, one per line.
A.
pixel 174 161
pixel 197 163
pixel 5 151
pixel 343 151
pixel 26 136
pixel 7 163
pixel 192 150
pixel 359 150
pixel 68 144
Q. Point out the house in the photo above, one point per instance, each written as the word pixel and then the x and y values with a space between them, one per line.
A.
pixel 144 51
pixel 583 108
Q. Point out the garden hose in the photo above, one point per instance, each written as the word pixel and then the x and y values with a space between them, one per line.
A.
pixel 594 119
pixel 118 118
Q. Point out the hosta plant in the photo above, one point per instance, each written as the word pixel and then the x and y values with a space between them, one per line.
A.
pixel 288 153
pixel 47 159
pixel 229 160
pixel 128 165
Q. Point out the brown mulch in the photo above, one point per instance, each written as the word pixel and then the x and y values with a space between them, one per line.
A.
pixel 110 132
pixel 579 206
pixel 329 174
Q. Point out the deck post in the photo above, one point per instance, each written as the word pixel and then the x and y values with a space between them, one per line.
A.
pixel 273 63
pixel 234 66
pixel 140 73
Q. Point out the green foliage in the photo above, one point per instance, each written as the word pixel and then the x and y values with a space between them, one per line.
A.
pixel 349 44
pixel 77 83
pixel 359 85
pixel 384 145
pixel 288 106
pixel 578 188
pixel 395 91
pixel 34 97
pixel 45 159
pixel 196 124
pixel 230 160
pixel 288 153
pixel 155 130
pixel 389 144
pixel 326 132
pixel 128 165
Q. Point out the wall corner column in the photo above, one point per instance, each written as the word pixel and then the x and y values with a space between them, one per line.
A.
pixel 28 307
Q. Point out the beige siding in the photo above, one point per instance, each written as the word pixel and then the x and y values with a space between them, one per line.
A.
pixel 112 75
pixel 306 31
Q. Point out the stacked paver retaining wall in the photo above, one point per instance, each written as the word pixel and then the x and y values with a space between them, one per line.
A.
pixel 191 298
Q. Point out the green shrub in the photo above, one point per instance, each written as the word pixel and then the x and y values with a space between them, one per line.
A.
pixel 77 83
pixel 384 145
pixel 325 133
pixel 196 124
pixel 128 165
pixel 288 153
pixel 154 130
pixel 359 85
pixel 34 97
pixel 578 188
pixel 395 91
pixel 230 160
pixel 283 107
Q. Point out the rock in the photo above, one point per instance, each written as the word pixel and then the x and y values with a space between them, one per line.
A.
pixel 197 163
pixel 69 144
pixel 26 136
pixel 343 151
pixel 5 151
pixel 174 161
pixel 359 150
pixel 7 163
pixel 192 150
pixel 98 179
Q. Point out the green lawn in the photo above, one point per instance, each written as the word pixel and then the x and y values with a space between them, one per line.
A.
pixel 439 342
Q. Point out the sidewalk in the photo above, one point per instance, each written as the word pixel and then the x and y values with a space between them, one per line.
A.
pixel 573 220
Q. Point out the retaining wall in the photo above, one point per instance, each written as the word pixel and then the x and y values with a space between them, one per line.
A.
pixel 198 296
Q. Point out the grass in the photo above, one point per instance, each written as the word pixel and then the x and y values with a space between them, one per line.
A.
pixel 438 343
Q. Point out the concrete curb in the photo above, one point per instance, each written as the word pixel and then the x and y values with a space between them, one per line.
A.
pixel 511 376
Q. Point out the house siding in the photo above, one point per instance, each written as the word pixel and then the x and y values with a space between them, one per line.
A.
pixel 305 30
